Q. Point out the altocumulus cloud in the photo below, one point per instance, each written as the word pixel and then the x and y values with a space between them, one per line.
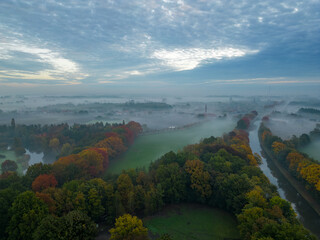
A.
pixel 115 42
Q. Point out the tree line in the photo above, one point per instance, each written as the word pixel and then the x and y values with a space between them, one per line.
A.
pixel 63 140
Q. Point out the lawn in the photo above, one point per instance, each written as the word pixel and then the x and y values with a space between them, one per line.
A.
pixel 148 148
pixel 10 155
pixel 193 221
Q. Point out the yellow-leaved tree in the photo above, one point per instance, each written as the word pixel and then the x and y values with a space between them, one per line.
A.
pixel 128 227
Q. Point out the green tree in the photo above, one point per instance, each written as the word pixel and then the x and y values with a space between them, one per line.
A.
pixel 128 227
pixel 248 220
pixel 200 179
pixel 38 169
pixel 75 225
pixel 94 207
pixel 154 200
pixel 165 237
pixel 54 144
pixel 284 205
pixel 125 190
pixel 9 165
pixel 173 182
pixel 50 229
pixel 7 196
pixel 66 150
pixel 78 226
pixel 27 211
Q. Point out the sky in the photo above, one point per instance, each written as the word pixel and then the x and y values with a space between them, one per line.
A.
pixel 168 46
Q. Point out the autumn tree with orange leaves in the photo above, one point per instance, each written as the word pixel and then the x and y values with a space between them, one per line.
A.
pixel 44 181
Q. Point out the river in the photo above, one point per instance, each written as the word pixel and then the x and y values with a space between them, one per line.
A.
pixel 306 215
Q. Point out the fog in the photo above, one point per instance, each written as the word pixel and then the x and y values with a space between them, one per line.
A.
pixel 159 112
pixel 163 113
pixel 152 112
pixel 287 119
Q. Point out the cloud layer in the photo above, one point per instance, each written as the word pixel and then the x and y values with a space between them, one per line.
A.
pixel 188 59
pixel 113 42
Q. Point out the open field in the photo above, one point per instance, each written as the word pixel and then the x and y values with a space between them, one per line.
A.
pixel 193 221
pixel 148 148
pixel 312 150
pixel 10 155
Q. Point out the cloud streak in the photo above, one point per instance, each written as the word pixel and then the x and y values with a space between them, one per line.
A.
pixel 54 65
pixel 188 59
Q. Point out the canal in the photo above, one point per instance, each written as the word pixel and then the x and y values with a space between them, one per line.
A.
pixel 306 215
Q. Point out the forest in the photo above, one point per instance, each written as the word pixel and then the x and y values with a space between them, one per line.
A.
pixel 159 120
pixel 66 199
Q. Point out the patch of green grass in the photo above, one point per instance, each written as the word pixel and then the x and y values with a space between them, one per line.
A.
pixel 312 150
pixel 193 221
pixel 148 148
pixel 10 155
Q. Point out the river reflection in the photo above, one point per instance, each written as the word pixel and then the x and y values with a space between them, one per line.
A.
pixel 308 217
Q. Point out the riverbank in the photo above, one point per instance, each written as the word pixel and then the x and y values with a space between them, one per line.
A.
pixel 299 187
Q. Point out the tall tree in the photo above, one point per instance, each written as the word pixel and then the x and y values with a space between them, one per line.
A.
pixel 9 165
pixel 129 228
pixel 44 181
pixel 27 211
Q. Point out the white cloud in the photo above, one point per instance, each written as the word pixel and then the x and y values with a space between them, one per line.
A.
pixel 121 74
pixel 188 59
pixel 53 58
pixel 59 69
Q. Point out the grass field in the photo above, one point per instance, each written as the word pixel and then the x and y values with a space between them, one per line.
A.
pixel 193 221
pixel 10 155
pixel 312 150
pixel 148 148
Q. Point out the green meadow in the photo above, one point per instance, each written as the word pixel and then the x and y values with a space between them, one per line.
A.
pixel 10 155
pixel 193 221
pixel 312 150
pixel 148 148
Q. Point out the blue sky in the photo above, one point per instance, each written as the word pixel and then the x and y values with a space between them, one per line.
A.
pixel 115 45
